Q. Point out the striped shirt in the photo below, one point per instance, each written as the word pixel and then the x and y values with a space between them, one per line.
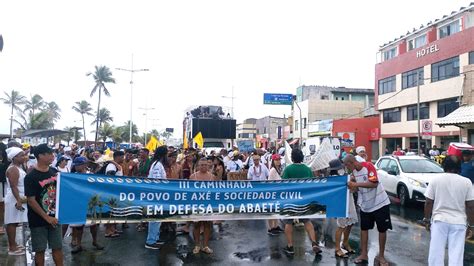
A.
pixel 370 199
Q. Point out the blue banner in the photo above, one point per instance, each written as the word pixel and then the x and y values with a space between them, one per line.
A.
pixel 84 198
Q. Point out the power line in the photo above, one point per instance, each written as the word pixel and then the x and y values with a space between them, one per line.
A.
pixel 414 83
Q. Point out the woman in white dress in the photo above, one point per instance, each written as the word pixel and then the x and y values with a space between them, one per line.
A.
pixel 344 225
pixel 15 200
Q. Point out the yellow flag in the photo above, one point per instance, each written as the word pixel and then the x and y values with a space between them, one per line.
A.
pixel 107 152
pixel 185 141
pixel 199 140
pixel 152 144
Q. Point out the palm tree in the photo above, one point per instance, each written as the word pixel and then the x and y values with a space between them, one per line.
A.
pixel 39 120
pixel 14 99
pixel 104 117
pixel 126 131
pixel 166 135
pixel 84 108
pixel 106 131
pixel 112 203
pixel 36 103
pixel 52 108
pixel 72 134
pixel 101 75
pixel 117 135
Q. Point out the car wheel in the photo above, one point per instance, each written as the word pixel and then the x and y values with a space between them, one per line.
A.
pixel 403 195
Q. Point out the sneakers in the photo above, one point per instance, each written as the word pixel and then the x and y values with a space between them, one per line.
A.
pixel 156 245
pixel 316 248
pixel 18 252
pixel 76 249
pixel 272 232
pixel 279 230
pixel 289 250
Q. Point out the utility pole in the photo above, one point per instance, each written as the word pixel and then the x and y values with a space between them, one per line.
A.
pixel 131 70
pixel 301 122
pixel 146 120
pixel 418 109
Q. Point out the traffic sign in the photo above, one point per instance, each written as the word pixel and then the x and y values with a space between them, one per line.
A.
pixel 277 99
pixel 427 129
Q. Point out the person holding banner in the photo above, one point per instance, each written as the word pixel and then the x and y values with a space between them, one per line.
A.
pixel 40 188
pixel 275 174
pixel 344 225
pixel 157 171
pixel 79 165
pixel 257 172
pixel 299 170
pixel 374 205
pixel 203 174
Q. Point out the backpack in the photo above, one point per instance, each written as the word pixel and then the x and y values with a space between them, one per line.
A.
pixel 103 168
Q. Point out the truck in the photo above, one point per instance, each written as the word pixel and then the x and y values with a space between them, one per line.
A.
pixel 217 128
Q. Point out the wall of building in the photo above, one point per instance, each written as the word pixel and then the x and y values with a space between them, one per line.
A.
pixel 361 127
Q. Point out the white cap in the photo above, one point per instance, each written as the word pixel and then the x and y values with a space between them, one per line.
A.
pixel 360 149
pixel 67 149
pixel 12 152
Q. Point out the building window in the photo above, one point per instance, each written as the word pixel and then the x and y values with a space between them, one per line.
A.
pixel 387 85
pixel 450 29
pixel 424 112
pixel 264 130
pixel 392 115
pixel 304 123
pixel 417 42
pixel 296 124
pixel 409 79
pixel 471 58
pixel 445 69
pixel 342 98
pixel 389 54
pixel 447 106
pixel 324 97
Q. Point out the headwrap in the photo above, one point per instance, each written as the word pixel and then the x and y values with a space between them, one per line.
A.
pixel 12 152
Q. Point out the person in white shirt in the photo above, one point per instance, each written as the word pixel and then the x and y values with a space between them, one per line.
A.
pixel 275 174
pixel 449 207
pixel 434 152
pixel 257 172
pixel 157 171
pixel 61 165
pixel 115 168
pixel 234 165
pixel 361 154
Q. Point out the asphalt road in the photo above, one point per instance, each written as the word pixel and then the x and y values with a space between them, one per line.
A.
pixel 247 242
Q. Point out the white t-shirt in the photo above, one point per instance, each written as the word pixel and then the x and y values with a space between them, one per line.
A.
pixel 113 168
pixel 157 171
pixel 274 175
pixel 234 166
pixel 450 193
pixel 370 199
pixel 63 170
pixel 258 173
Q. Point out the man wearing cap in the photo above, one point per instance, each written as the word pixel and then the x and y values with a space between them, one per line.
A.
pixel 467 167
pixel 234 165
pixel 361 154
pixel 40 188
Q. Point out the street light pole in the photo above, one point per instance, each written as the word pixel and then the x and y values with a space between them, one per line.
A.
pixel 418 109
pixel 301 125
pixel 146 120
pixel 131 70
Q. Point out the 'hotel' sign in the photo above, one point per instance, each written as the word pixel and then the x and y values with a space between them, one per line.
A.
pixel 428 50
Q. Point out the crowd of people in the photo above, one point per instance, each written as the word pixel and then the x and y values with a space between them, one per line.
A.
pixel 30 174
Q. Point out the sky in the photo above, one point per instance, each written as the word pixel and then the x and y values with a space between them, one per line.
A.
pixel 196 51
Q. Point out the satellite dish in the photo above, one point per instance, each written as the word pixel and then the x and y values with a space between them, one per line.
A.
pixel 1 43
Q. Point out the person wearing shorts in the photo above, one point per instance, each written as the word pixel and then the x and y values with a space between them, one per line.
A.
pixel 298 170
pixel 40 188
pixel 374 206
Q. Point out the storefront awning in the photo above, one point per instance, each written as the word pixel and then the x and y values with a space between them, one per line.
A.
pixel 294 141
pixel 460 116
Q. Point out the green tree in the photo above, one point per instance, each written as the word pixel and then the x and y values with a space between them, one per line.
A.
pixel 14 100
pixel 84 108
pixel 53 110
pixel 35 103
pixel 117 135
pixel 106 131
pixel 73 134
pixel 126 131
pixel 103 116
pixel 166 135
pixel 101 75
pixel 39 120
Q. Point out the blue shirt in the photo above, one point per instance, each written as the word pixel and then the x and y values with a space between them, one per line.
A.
pixel 467 170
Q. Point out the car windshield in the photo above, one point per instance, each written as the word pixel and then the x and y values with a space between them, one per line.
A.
pixel 420 166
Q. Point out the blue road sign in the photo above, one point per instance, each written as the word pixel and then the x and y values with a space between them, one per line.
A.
pixel 277 99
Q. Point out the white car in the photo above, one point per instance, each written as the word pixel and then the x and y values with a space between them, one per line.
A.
pixel 406 177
